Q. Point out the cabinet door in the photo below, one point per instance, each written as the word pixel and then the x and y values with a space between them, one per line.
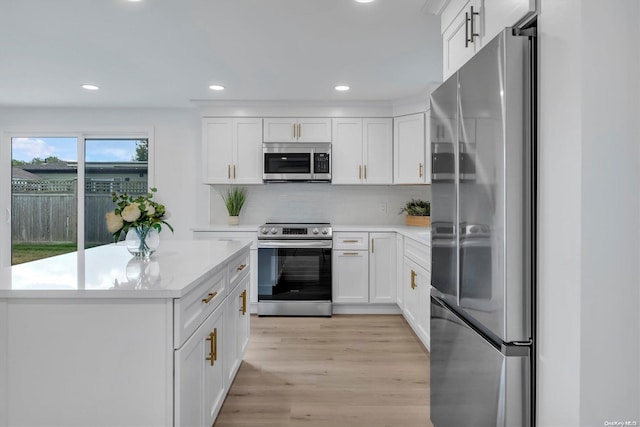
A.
pixel 424 317
pixel 199 383
pixel 377 152
pixel 217 150
pixel 279 130
pixel 247 137
pixel 230 348
pixel 243 317
pixel 454 49
pixel 411 292
pixel 409 149
pixel 350 276
pixel 346 151
pixel 314 130
pixel 399 271
pixel 382 268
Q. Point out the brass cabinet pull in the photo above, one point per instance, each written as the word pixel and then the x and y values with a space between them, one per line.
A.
pixel 229 171
pixel 241 267
pixel 234 171
pixel 372 245
pixel 349 241
pixel 472 26
pixel 466 29
pixel 420 170
pixel 359 171
pixel 243 297
pixel 365 171
pixel 213 346
pixel 211 296
pixel 299 130
pixel 294 131
pixel 413 280
pixel 350 253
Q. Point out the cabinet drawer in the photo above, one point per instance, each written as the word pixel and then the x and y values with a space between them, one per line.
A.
pixel 351 241
pixel 237 269
pixel 418 252
pixel 192 309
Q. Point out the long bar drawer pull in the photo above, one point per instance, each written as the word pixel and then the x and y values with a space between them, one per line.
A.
pixel 209 297
pixel 350 253
pixel 243 297
pixel 413 279
pixel 350 241
pixel 241 267
pixel 213 346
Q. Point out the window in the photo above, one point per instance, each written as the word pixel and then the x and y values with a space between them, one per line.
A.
pixel 50 176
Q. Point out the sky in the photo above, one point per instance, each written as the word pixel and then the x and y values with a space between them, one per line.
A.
pixel 97 150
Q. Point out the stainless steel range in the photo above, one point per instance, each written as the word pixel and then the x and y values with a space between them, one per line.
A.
pixel 294 269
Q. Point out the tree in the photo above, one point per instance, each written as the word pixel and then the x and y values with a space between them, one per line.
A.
pixel 142 150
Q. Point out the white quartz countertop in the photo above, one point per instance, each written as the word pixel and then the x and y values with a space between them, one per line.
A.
pixel 421 234
pixel 110 271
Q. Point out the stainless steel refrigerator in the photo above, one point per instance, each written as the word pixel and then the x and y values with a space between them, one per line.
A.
pixel 483 220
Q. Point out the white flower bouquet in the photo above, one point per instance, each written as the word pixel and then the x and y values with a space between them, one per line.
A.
pixel 140 213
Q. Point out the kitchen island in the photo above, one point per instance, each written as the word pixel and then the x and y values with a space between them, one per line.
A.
pixel 99 338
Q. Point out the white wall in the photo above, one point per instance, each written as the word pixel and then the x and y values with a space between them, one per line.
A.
pixel 176 142
pixel 311 202
pixel 589 321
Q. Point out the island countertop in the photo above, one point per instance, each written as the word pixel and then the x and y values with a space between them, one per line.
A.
pixel 110 271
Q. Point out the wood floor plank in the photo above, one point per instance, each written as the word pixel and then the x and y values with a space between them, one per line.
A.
pixel 343 371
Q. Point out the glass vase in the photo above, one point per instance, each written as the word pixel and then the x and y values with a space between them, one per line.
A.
pixel 142 241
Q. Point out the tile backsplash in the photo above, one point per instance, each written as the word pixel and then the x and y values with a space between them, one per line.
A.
pixel 316 202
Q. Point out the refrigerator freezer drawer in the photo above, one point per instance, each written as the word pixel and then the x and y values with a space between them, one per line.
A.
pixel 472 382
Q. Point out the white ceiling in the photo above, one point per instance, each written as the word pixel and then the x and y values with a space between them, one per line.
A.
pixel 165 53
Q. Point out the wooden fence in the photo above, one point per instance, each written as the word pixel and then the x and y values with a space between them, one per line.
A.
pixel 46 211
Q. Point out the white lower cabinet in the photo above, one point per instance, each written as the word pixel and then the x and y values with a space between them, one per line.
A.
pixel 350 276
pixel 236 330
pixel 382 271
pixel 399 270
pixel 199 374
pixel 416 283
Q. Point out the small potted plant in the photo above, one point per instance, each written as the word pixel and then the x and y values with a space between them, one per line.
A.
pixel 418 213
pixel 234 199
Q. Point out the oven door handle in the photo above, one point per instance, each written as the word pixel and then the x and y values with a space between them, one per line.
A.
pixel 295 244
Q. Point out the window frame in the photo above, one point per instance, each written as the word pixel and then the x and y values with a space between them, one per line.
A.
pixel 146 132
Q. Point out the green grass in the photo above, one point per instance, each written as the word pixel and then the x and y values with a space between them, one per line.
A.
pixel 25 252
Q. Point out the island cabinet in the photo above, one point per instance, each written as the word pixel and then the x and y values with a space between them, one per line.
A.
pixel 102 339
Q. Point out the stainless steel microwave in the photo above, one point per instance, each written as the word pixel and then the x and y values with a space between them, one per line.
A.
pixel 296 162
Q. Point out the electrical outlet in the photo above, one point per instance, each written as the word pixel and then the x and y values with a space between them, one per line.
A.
pixel 382 207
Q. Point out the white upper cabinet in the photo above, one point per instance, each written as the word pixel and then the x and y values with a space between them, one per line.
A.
pixel 362 151
pixel 297 130
pixel 232 150
pixel 467 25
pixel 411 150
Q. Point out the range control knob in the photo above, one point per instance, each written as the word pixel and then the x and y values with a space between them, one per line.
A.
pixel 274 230
pixel 264 230
pixel 315 231
pixel 325 231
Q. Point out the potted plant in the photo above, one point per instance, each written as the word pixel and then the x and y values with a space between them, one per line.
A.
pixel 418 213
pixel 234 199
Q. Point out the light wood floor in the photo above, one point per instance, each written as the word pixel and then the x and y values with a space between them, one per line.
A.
pixel 343 371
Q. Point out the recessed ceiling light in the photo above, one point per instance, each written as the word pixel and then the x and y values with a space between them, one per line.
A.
pixel 342 88
pixel 216 87
pixel 90 87
pixel 364 1
pixel 134 1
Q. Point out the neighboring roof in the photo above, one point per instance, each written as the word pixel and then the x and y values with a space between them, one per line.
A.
pixel 19 173
pixel 49 167
pixel 72 167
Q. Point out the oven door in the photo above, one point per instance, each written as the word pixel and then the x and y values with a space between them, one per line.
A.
pixel 291 270
pixel 282 162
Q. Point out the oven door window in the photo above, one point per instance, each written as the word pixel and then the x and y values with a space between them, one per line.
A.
pixel 294 274
pixel 287 163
